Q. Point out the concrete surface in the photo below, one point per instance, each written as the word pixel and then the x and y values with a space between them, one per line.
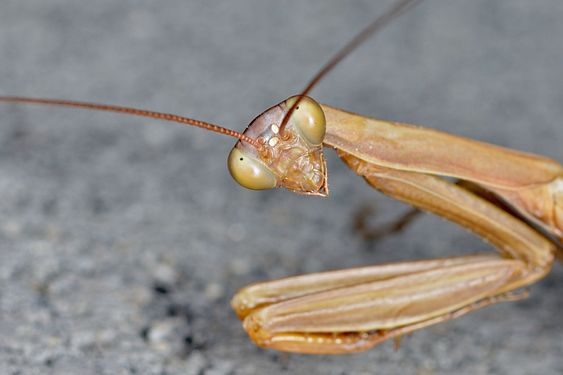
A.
pixel 122 239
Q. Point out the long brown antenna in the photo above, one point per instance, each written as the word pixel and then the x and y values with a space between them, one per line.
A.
pixel 380 22
pixel 130 111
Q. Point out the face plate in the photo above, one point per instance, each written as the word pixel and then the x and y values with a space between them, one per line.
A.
pixel 296 163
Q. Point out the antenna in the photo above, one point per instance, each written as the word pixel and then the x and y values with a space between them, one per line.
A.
pixel 380 22
pixel 130 111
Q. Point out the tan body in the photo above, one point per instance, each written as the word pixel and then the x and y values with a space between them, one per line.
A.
pixel 511 199
pixel 353 310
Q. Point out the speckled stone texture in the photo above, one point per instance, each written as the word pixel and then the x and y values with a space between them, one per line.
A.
pixel 123 239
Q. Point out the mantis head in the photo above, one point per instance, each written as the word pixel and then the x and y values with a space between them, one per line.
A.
pixel 289 152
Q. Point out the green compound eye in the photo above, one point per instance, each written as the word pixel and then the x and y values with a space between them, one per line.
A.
pixel 249 172
pixel 309 118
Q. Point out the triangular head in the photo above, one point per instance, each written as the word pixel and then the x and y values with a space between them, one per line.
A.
pixel 291 157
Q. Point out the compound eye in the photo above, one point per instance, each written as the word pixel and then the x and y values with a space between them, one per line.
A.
pixel 249 172
pixel 309 118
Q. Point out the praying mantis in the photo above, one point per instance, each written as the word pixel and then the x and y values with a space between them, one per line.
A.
pixel 401 161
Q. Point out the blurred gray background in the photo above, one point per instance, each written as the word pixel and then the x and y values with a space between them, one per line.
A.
pixel 123 239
